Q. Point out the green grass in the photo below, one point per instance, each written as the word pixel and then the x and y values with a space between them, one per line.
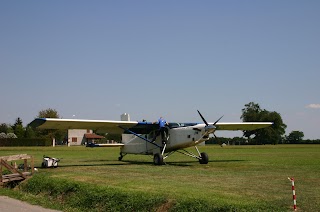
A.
pixel 237 178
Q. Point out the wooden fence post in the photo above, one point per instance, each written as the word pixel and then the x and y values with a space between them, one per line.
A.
pixel 32 165
pixel 1 172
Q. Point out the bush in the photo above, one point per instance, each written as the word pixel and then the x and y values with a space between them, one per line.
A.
pixel 80 196
pixel 11 135
pixel 3 135
pixel 87 197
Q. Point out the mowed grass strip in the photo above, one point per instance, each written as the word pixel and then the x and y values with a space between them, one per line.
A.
pixel 237 177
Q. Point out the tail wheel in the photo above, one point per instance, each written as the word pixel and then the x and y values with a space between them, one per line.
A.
pixel 158 159
pixel 121 156
pixel 204 158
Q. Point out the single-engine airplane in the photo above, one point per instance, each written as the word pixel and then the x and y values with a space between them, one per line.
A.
pixel 137 136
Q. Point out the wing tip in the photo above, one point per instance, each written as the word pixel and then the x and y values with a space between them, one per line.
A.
pixel 37 122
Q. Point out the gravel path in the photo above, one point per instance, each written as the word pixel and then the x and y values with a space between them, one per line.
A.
pixel 8 204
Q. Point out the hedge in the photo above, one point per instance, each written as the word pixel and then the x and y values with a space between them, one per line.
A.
pixel 25 142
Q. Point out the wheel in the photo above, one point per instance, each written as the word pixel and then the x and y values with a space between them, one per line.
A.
pixel 120 157
pixel 204 158
pixel 158 159
pixel 43 165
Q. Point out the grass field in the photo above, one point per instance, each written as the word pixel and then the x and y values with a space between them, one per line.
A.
pixel 241 177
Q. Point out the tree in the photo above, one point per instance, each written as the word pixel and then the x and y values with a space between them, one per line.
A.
pixel 273 134
pixel 115 137
pixel 18 128
pixel 18 122
pixel 29 133
pixel 238 140
pixel 5 128
pixel 251 112
pixel 50 113
pixel 295 137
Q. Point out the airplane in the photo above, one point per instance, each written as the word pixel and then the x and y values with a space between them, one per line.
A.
pixel 137 136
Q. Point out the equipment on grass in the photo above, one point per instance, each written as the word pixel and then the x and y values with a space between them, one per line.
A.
pixel 49 162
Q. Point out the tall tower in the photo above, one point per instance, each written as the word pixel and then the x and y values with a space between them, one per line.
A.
pixel 125 117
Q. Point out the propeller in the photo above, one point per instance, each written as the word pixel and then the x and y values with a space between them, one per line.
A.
pixel 208 126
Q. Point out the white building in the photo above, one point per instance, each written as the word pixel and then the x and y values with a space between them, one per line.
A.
pixel 81 137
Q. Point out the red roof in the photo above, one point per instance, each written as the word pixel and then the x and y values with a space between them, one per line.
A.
pixel 92 136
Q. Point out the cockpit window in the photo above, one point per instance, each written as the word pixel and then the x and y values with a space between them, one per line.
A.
pixel 174 125
pixel 177 125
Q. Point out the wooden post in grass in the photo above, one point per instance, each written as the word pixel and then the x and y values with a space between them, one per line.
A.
pixel 1 172
pixel 293 193
pixel 16 173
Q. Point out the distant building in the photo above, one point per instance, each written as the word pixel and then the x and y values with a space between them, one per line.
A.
pixel 125 117
pixel 82 137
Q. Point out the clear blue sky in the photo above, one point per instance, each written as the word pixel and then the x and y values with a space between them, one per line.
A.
pixel 98 59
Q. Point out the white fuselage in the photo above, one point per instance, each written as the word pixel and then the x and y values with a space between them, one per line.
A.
pixel 177 138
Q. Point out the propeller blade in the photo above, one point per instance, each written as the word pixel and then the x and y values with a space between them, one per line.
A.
pixel 218 120
pixel 217 139
pixel 215 136
pixel 203 118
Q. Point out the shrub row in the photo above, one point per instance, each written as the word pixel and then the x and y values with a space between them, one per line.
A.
pixel 88 197
pixel 25 142
pixel 79 196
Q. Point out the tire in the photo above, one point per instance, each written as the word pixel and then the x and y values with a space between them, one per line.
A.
pixel 204 158
pixel 43 165
pixel 121 156
pixel 158 159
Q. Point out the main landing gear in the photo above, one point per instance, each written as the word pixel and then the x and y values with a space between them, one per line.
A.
pixel 204 159
pixel 158 159
pixel 121 156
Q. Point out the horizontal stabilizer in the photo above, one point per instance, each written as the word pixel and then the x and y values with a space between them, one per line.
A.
pixel 104 145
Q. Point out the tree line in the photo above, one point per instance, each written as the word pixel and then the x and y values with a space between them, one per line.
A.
pixel 17 130
pixel 252 112
pixel 274 134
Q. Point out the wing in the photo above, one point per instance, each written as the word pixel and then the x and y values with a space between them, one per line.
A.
pixel 97 125
pixel 242 125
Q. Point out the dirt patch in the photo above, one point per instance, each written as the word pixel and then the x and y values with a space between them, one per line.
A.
pixel 166 206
